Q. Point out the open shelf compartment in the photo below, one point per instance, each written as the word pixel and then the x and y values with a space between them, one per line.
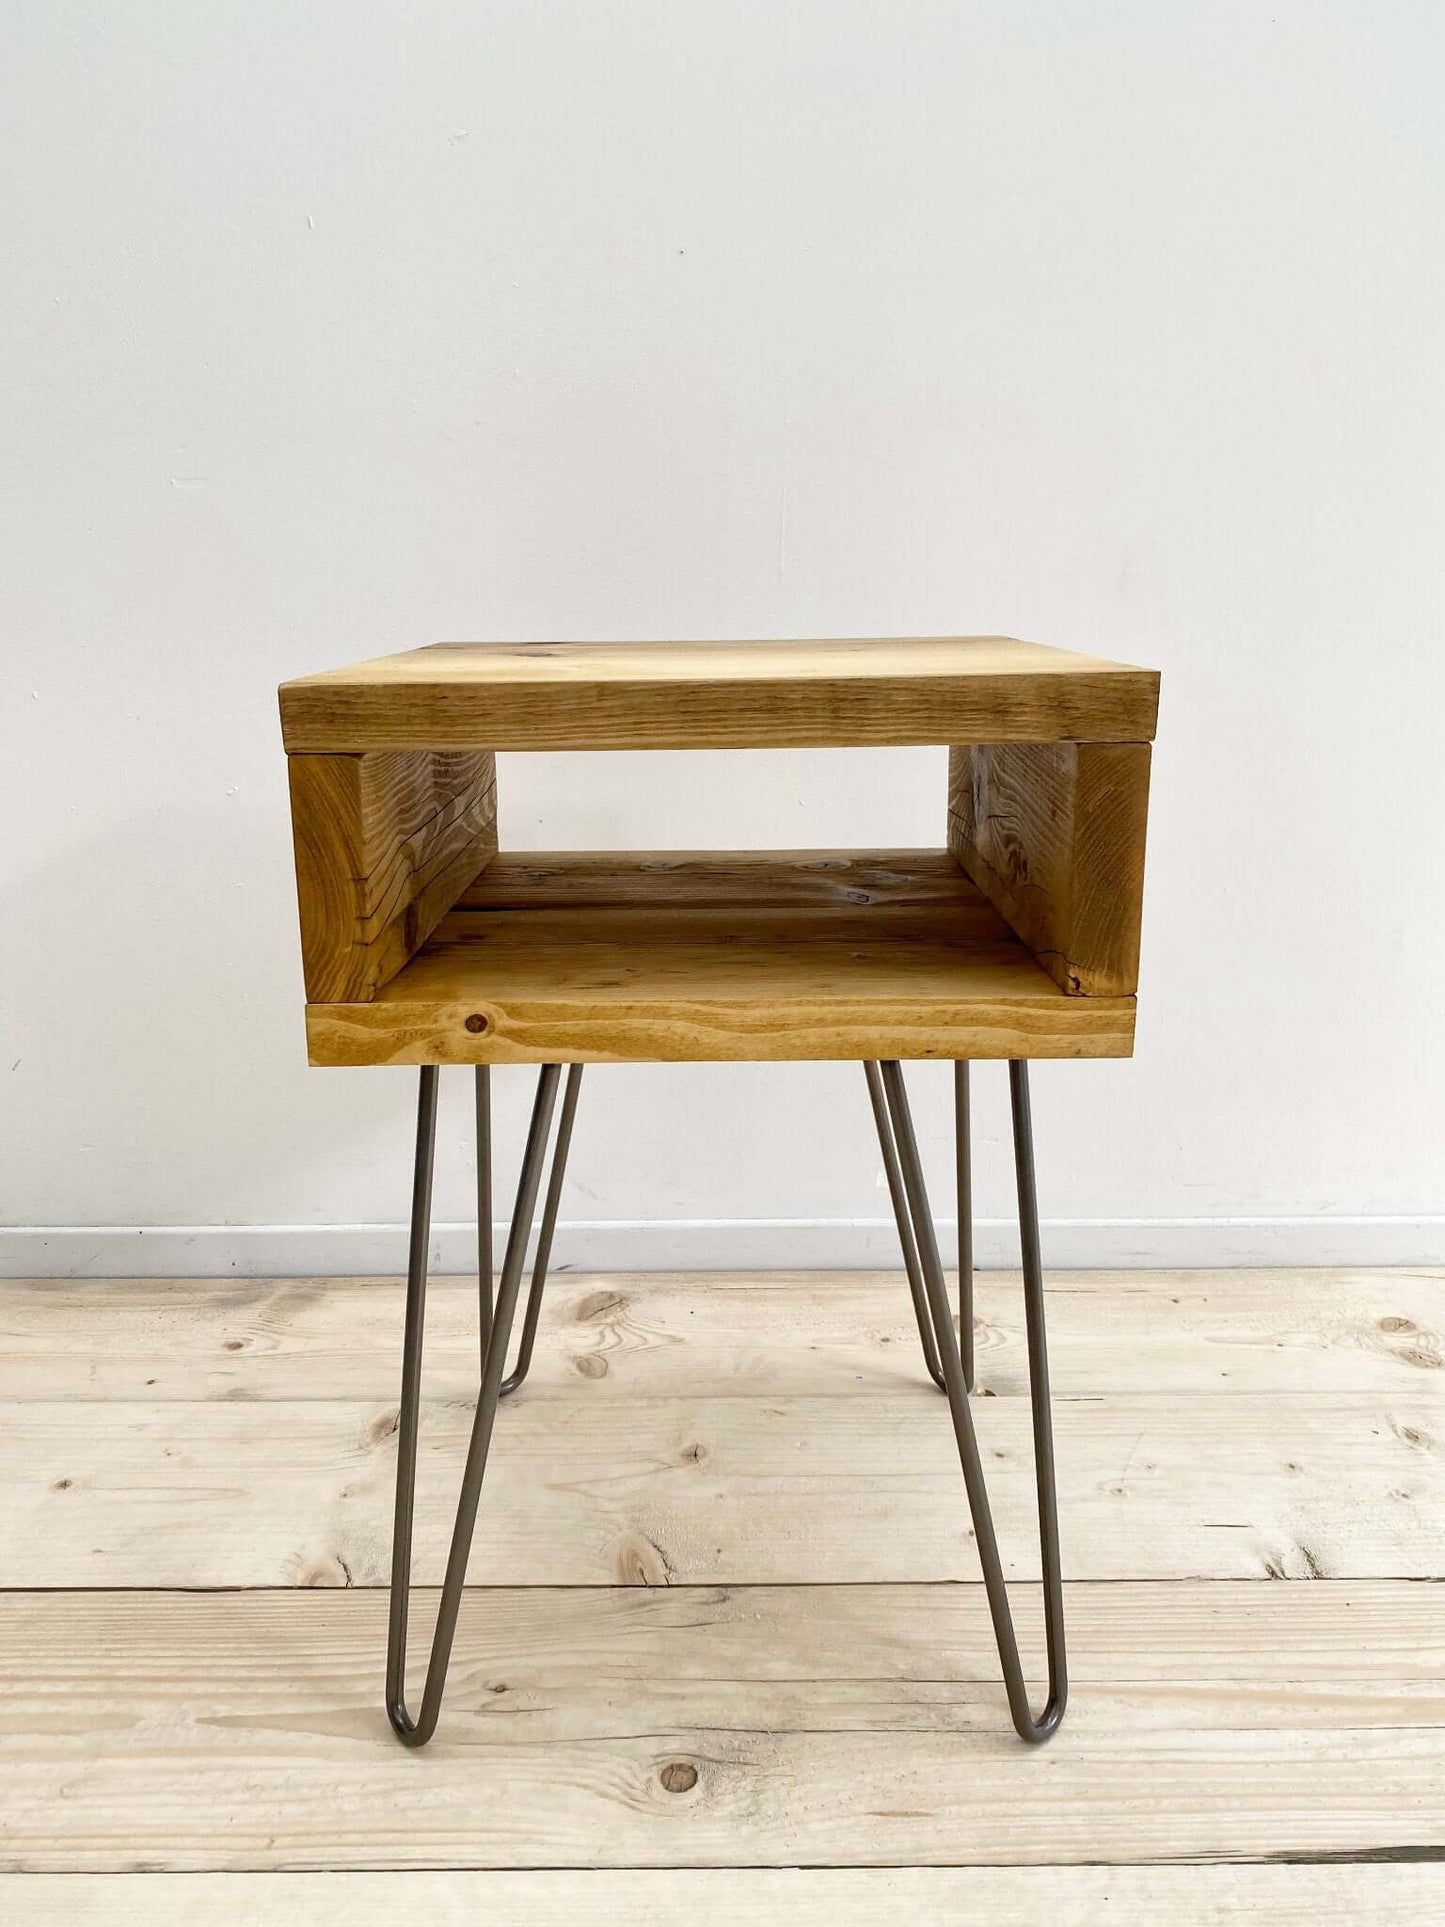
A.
pixel 601 957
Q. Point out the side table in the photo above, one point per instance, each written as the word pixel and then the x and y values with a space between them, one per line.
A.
pixel 422 944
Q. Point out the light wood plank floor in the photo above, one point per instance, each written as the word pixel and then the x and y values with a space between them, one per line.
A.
pixel 725 1527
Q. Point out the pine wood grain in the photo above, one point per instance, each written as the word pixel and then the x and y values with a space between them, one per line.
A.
pixel 1053 834
pixel 806 881
pixel 709 1490
pixel 834 1726
pixel 692 695
pixel 1197 1896
pixel 384 844
pixel 675 959
pixel 726 1335
pixel 857 1725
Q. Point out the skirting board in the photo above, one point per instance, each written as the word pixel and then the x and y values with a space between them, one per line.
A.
pixel 858 1244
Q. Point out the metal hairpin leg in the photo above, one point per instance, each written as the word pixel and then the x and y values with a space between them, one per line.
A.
pixel 570 1094
pixel 482 1093
pixel 963 1170
pixel 897 1191
pixel 921 1260
pixel 497 1326
pixel 945 1360
pixel 893 1171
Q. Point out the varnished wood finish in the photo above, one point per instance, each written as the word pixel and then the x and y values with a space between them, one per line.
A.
pixel 700 957
pixel 735 880
pixel 918 965
pixel 384 842
pixel 1053 833
pixel 718 695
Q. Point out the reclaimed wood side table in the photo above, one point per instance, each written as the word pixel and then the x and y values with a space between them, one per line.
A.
pixel 422 944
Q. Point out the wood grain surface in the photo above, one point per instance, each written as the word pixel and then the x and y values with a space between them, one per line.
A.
pixel 708 1490
pixel 1053 834
pixel 384 844
pixel 748 956
pixel 718 695
pixel 1355 1894
pixel 774 1335
pixel 695 1727
pixel 1251 1491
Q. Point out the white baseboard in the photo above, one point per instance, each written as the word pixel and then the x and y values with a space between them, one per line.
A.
pixel 843 1244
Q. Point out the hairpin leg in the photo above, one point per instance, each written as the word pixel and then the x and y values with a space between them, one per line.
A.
pixel 894 1174
pixel 571 1093
pixel 963 1167
pixel 926 1248
pixel 482 1087
pixel 898 1194
pixel 550 1205
pixel 941 1349
pixel 416 1732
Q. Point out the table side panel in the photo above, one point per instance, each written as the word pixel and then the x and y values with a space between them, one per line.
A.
pixel 384 844
pixel 1054 834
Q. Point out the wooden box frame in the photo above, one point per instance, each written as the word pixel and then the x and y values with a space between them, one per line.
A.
pixel 1019 937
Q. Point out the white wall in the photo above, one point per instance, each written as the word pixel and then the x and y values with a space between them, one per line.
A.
pixel 337 327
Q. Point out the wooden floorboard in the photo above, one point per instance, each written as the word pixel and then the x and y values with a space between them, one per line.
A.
pixel 1274 1896
pixel 722 1491
pixel 823 1726
pixel 774 1335
pixel 763 1465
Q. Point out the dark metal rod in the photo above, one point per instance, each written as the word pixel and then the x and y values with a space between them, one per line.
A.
pixel 944 1352
pixel 483 1096
pixel 995 1586
pixel 418 1731
pixel 905 1229
pixel 1044 1475
pixel 963 1165
pixel 410 1413
pixel 550 1206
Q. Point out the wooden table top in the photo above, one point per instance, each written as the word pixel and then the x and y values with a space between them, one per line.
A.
pixel 719 695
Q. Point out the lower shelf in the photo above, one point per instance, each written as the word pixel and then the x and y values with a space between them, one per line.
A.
pixel 608 957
